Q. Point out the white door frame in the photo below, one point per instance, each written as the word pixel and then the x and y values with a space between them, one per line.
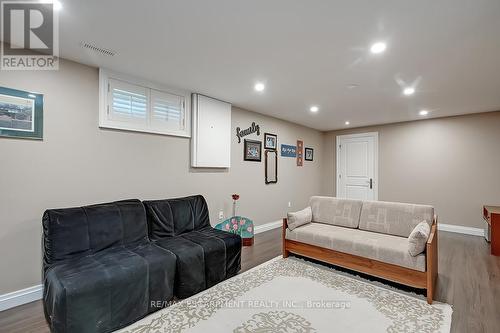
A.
pixel 375 157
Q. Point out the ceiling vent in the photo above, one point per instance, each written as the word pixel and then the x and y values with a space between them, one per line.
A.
pixel 98 49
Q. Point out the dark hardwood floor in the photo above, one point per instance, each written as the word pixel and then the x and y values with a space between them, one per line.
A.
pixel 469 280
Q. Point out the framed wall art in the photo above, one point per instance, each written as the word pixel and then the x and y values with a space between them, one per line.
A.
pixel 252 150
pixel 271 163
pixel 309 154
pixel 300 153
pixel 270 141
pixel 21 114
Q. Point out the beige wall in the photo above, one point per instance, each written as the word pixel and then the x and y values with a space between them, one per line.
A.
pixel 77 163
pixel 451 163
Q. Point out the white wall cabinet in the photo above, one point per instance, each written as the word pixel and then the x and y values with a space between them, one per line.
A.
pixel 211 136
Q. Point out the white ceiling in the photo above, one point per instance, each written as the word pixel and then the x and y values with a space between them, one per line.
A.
pixel 307 53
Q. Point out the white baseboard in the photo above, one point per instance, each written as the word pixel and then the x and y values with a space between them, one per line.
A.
pixel 461 229
pixel 20 297
pixel 268 226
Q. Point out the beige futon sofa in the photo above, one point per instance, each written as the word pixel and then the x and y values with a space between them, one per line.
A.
pixel 370 237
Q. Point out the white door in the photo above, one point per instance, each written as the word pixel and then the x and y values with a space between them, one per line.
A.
pixel 357 166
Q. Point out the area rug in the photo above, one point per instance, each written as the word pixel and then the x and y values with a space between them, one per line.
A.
pixel 294 295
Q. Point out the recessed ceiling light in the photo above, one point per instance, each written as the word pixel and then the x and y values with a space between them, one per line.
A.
pixel 352 86
pixel 408 91
pixel 259 86
pixel 378 47
pixel 314 108
pixel 423 113
pixel 347 123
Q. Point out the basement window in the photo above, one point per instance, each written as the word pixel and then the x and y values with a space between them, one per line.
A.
pixel 131 104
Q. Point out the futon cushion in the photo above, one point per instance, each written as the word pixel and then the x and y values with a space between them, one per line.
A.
pixel 394 218
pixel 204 258
pixel 173 217
pixel 73 232
pixel 190 265
pixel 299 218
pixel 418 238
pixel 107 290
pixel 214 255
pixel 385 248
pixel 335 211
pixel 233 249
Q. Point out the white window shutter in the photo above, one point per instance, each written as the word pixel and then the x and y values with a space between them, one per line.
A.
pixel 127 102
pixel 167 111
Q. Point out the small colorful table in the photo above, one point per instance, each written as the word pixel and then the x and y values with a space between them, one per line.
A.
pixel 241 226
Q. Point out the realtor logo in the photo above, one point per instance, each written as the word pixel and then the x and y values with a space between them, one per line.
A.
pixel 30 35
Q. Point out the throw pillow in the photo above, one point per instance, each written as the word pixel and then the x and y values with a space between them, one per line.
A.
pixel 418 238
pixel 299 218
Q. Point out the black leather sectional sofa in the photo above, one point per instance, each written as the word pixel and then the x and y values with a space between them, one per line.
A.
pixel 108 265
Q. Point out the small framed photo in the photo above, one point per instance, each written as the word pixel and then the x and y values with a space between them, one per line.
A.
pixel 21 114
pixel 270 141
pixel 252 151
pixel 309 154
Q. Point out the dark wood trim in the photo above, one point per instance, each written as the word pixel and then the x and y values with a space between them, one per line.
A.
pixel 403 275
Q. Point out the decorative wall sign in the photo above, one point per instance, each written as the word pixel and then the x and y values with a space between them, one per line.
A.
pixel 309 154
pixel 252 150
pixel 300 153
pixel 288 151
pixel 252 129
pixel 21 114
pixel 270 141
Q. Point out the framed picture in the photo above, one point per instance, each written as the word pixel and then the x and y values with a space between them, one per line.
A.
pixel 271 163
pixel 21 114
pixel 252 151
pixel 300 153
pixel 270 141
pixel 309 154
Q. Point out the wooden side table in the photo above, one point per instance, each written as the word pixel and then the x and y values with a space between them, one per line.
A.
pixel 492 215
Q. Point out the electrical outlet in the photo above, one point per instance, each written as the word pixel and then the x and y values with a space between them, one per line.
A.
pixel 221 215
pixel 289 204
